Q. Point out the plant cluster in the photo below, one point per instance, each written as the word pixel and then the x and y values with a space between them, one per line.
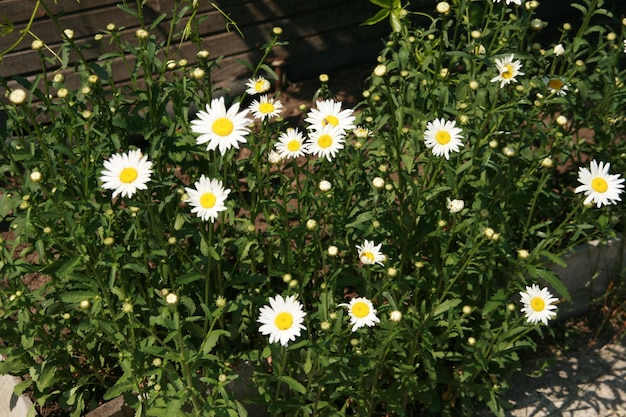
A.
pixel 197 253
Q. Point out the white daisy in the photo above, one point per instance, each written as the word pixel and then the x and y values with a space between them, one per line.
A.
pixel 598 185
pixel 326 141
pixel 291 144
pixel 507 70
pixel 208 198
pixel 282 319
pixel 369 253
pixel 362 313
pixel 518 2
pixel 328 112
pixel 220 127
pixel 443 137
pixel 126 173
pixel 556 85
pixel 538 304
pixel 266 108
pixel 258 85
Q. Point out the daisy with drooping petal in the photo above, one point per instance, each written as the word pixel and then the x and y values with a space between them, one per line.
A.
pixel 126 173
pixel 258 85
pixel 282 319
pixel 538 304
pixel 598 185
pixel 326 141
pixel 208 198
pixel 508 69
pixel 220 127
pixel 443 137
pixel 556 85
pixel 369 253
pixel 266 108
pixel 362 313
pixel 291 144
pixel 329 112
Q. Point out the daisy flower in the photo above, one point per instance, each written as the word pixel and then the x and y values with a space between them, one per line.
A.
pixel 507 70
pixel 126 173
pixel 518 2
pixel 362 313
pixel 326 141
pixel 538 304
pixel 598 185
pixel 258 85
pixel 328 112
pixel 282 319
pixel 443 137
pixel 291 144
pixel 369 253
pixel 556 85
pixel 266 108
pixel 208 198
pixel 220 127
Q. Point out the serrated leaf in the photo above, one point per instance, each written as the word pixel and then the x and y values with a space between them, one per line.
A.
pixel 211 339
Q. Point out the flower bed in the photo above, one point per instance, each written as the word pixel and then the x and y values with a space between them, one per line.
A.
pixel 387 259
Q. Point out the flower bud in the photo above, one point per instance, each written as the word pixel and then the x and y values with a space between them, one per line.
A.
pixel 443 7
pixel 395 316
pixel 142 34
pixel 378 182
pixel 380 70
pixel 333 250
pixel 17 96
pixel 171 299
pixel 35 176
pixel 311 224
pixel 37 44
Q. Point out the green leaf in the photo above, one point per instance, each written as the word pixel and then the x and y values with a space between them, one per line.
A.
pixel 293 384
pixel 124 384
pixel 445 306
pixel 211 339
pixel 381 15
pixel 553 280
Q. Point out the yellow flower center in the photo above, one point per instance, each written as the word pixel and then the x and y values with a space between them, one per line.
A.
pixel 260 86
pixel 537 304
pixel 223 126
pixel 207 200
pixel 324 141
pixel 555 84
pixel 369 256
pixel 360 309
pixel 266 108
pixel 330 120
pixel 507 72
pixel 128 175
pixel 599 185
pixel 293 145
pixel 442 137
pixel 283 320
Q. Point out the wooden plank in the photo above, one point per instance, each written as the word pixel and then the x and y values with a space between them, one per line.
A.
pixel 326 20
